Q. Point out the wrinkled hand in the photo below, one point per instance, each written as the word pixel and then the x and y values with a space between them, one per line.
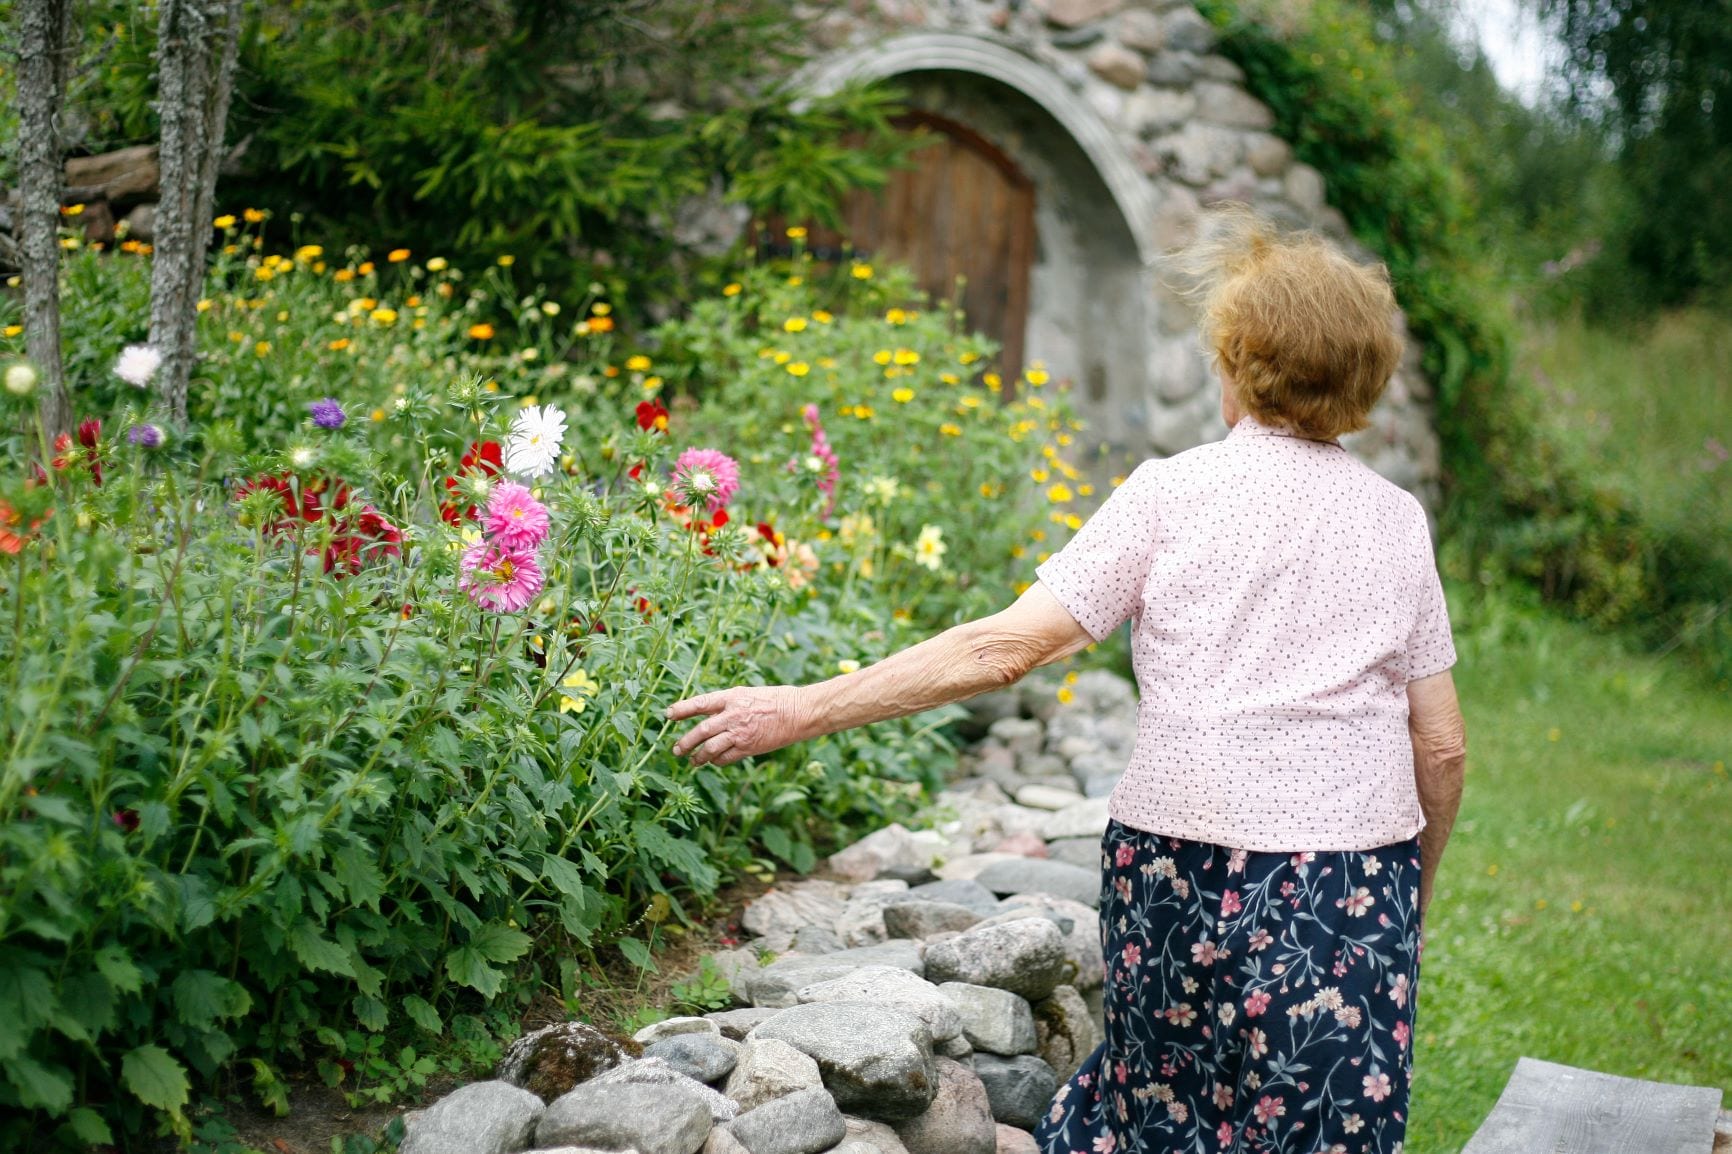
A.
pixel 741 722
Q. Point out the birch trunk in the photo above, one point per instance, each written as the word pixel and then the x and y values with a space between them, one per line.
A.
pixel 197 42
pixel 44 34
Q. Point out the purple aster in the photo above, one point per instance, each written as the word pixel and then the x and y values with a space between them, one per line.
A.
pixel 327 413
pixel 147 436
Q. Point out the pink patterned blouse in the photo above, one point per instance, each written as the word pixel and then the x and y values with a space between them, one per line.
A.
pixel 1281 596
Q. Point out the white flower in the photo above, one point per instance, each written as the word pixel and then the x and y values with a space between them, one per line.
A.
pixel 303 456
pixel 137 364
pixel 20 378
pixel 929 548
pixel 532 450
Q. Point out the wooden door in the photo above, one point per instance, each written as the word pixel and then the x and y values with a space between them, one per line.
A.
pixel 964 210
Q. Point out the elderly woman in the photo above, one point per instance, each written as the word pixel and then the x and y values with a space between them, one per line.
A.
pixel 1274 841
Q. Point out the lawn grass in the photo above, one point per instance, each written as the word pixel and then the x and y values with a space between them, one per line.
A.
pixel 1581 914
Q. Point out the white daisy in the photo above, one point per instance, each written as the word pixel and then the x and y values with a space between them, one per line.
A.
pixel 137 364
pixel 929 548
pixel 532 450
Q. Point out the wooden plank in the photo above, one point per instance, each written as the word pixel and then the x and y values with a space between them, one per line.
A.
pixel 1551 1109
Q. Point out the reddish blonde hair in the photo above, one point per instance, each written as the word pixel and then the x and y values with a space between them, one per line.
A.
pixel 1307 337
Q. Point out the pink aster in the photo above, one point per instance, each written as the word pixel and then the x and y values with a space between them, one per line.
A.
pixel 515 519
pixel 706 475
pixel 499 579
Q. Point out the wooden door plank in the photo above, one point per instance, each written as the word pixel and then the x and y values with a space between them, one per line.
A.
pixel 1551 1109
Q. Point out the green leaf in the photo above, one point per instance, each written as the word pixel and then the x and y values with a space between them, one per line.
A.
pixel 202 998
pixel 686 858
pixel 422 1013
pixel 777 841
pixel 317 953
pixel 467 967
pixel 90 1127
pixel 40 1087
pixel 637 954
pixel 358 869
pixel 371 1013
pixel 113 963
pixel 562 875
pixel 499 943
pixel 155 1078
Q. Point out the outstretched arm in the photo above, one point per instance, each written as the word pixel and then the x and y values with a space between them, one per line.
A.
pixel 962 661
pixel 1439 761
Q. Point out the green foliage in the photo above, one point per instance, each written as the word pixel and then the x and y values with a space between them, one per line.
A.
pixel 278 791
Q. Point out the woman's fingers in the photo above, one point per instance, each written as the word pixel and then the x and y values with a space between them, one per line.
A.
pixel 700 733
pixel 710 751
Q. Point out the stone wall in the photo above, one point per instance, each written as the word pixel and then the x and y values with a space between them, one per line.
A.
pixel 1129 123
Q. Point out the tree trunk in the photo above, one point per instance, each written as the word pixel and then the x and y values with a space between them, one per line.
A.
pixel 197 42
pixel 44 35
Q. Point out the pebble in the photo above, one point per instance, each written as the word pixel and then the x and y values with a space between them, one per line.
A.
pixel 736 1024
pixel 1024 844
pixel 1086 818
pixel 1084 852
pixel 866 1136
pixel 787 908
pixel 960 891
pixel 968 866
pixel 1065 1033
pixel 1014 1141
pixel 776 984
pixel 657 1072
pixel 549 1061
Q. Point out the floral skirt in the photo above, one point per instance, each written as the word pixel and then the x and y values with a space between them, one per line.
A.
pixel 1256 1003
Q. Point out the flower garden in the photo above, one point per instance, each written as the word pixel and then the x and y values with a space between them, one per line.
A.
pixel 344 704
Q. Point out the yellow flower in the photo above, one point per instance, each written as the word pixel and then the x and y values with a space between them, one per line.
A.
pixel 438 264
pixel 849 666
pixel 929 548
pixel 69 242
pixel 949 378
pixel 1072 522
pixel 253 215
pixel 507 260
pixel 600 308
pixel 262 349
pixel 377 414
pixel 896 317
pixel 651 384
pixel 397 255
pixel 225 222
pixel 366 268
pixel 992 380
pixel 1554 733
pixel 906 357
pixel 796 233
pixel 338 345
pixel 1085 490
pixel 308 252
pixel 968 358
pixel 1037 534
pixel 731 290
pixel 72 210
pixel 481 332
pixel 237 336
pixel 863 412
pixel 385 316
pixel 12 330
pixel 638 363
pixel 903 395
pixel 970 401
pixel 1117 481
pixel 1036 403
pixel 1065 696
pixel 794 325
pixel 1036 377
pixel 582 689
pixel 343 275
pixel 799 368
pixel 822 317
pixel 826 362
pixel 1018 551
pixel 1059 494
pixel 782 358
pixel 861 271
pixel 882 356
pixel 950 430
pixel 549 308
pixel 413 302
pixel 990 489
pixel 1038 476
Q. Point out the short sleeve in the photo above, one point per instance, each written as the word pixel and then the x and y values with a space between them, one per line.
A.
pixel 1430 648
pixel 1099 575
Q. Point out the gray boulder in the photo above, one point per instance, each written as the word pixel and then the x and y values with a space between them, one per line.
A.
pixel 893 847
pixel 1026 957
pixel 866 1136
pixel 483 1118
pixel 1065 1033
pixel 671 1027
pixel 1014 1141
pixel 656 1072
pixel 1082 852
pixel 861 922
pixel 1082 942
pixel 1020 1089
pixel 702 1057
pixel 900 989
pixel 1086 818
pixel 769 1069
pixel 922 919
pixel 803 1122
pixel 777 983
pixel 549 1061
pixel 959 1121
pixel 875 1060
pixel 665 1119
pixel 785 909
pixel 816 940
pixel 1037 876
pixel 996 1021
pixel 736 1024
pixel 961 891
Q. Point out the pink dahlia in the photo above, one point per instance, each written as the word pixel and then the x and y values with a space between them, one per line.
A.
pixel 706 475
pixel 515 519
pixel 499 579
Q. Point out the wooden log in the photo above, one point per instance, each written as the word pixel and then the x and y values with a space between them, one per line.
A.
pixel 1551 1109
pixel 127 174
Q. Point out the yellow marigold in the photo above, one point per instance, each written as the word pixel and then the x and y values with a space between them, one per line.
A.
pixel 992 380
pixel 902 395
pixel 237 336
pixel 481 332
pixel 968 358
pixel 1036 403
pixel 319 267
pixel 385 316
pixel 506 260
pixel 228 249
pixel 1072 522
pixel 1048 452
pixel 822 317
pixel 846 410
pixel 861 271
pixel 949 378
pixel 601 324
pixel 610 371
pixel 638 363
pixel 970 401
pixel 343 275
pixel 1040 558
pixel 799 368
pixel 864 412
pixel 1085 490
pixel 366 268
pixel 731 290
pixel 438 264
pixel 130 246
pixel 882 356
pixel 264 272
pixel 1056 518
pixel 413 302
pixel 782 357
pixel 1036 377
pixel 1039 476
pixel 262 349
pixel 490 386
pixel 1060 493
pixel 950 430
pixel 377 414
pixel 205 305
pixel 1064 438
pixel 1065 696
pixel 397 255
pixel 651 384
pixel 549 308
pixel 12 330
pixel 1117 481
pixel 445 289
pixel 338 345
pixel 1037 534
pixel 796 280
pixel 826 362
pixel 309 252
pixel 797 233
pixel 71 210
pixel 225 222
pixel 907 357
pixel 1018 552
pixel 896 317
pixel 253 215
pixel 794 325
pixel 600 309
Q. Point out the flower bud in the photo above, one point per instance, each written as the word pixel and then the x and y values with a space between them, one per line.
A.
pixel 21 378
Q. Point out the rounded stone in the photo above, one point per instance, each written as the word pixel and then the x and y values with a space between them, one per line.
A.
pixel 549 1061
pixel 769 1069
pixel 1020 1088
pixel 959 1121
pixel 482 1118
pixel 651 1119
pixel 1035 876
pixel 994 1021
pixel 887 986
pixel 1026 956
pixel 876 1061
pixel 922 919
pixel 803 1122
pixel 702 1057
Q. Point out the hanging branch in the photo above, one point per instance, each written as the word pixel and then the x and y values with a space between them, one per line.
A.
pixel 197 42
pixel 45 31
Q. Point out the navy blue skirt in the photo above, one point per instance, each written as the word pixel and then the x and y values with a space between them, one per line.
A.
pixel 1256 1003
